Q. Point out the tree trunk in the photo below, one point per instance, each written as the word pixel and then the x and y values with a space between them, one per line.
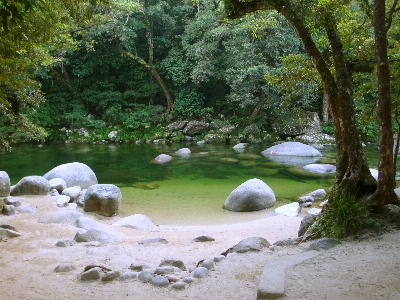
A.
pixel 386 182
pixel 352 172
pixel 325 109
pixel 259 105
pixel 153 72
pixel 68 84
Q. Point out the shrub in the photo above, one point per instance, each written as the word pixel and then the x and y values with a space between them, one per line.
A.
pixel 344 215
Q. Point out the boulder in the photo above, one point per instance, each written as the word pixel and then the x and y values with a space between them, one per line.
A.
pixel 137 221
pixel 323 244
pixel 215 138
pixel 31 185
pixel 58 184
pixel 4 184
pixel 162 159
pixel 183 152
pixel 112 136
pixel 292 149
pixel 95 235
pixel 252 195
pixel 62 200
pixel 374 173
pixel 195 127
pixel 160 281
pixel 290 210
pixel 12 201
pixel 72 192
pixel 92 274
pixel 64 267
pixel 81 199
pixel 320 168
pixel 203 238
pixel 104 199
pixel 73 174
pixel 178 125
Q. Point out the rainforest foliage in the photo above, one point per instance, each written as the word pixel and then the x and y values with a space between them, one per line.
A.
pixel 133 65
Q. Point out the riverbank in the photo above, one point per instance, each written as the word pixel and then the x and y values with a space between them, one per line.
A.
pixel 29 261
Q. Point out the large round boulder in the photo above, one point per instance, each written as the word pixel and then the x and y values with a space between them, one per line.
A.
pixel 195 127
pixel 74 174
pixel 252 195
pixel 4 184
pixel 31 185
pixel 104 199
pixel 292 149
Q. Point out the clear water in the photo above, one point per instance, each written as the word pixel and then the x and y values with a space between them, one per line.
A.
pixel 186 191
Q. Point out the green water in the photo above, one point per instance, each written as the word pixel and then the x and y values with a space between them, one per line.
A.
pixel 185 191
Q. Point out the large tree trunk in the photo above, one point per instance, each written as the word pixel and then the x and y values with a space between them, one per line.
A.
pixel 386 183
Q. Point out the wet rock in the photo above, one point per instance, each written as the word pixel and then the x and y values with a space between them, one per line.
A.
pixel 162 159
pixel 183 152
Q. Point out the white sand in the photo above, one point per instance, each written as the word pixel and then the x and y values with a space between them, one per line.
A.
pixel 28 262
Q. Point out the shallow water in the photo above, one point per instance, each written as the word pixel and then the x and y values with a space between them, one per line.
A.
pixel 186 191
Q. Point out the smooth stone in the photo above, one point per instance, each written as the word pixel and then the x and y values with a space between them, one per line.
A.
pixel 92 274
pixel 160 281
pixel 200 272
pixel 64 267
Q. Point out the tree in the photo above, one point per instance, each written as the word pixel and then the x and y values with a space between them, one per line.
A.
pixel 352 172
pixel 26 39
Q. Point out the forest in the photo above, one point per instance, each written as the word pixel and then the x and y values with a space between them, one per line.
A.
pixel 94 66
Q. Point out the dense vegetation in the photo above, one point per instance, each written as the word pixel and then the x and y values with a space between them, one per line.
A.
pixel 135 65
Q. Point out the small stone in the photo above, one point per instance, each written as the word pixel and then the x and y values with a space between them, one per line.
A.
pixel 208 263
pixel 173 262
pixel 189 280
pixel 145 276
pixel 203 238
pixel 179 285
pixel 136 267
pixel 200 272
pixel 65 243
pixel 128 275
pixel 111 275
pixel 164 270
pixel 218 258
pixel 92 274
pixel 323 244
pixel 160 281
pixel 12 201
pixel 64 267
pixel 8 210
